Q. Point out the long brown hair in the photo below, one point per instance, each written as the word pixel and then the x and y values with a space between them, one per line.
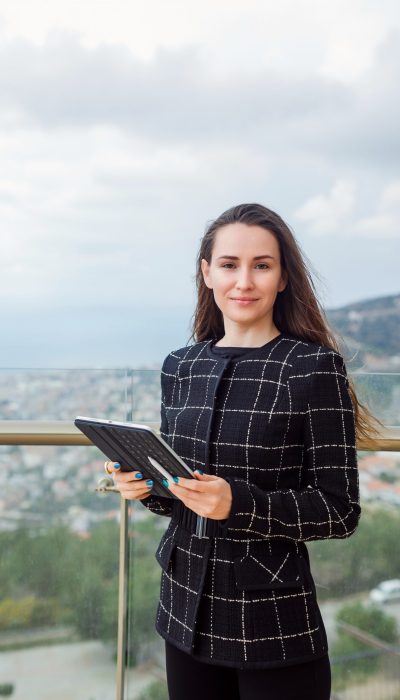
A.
pixel 296 311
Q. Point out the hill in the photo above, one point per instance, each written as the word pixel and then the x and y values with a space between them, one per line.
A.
pixel 371 330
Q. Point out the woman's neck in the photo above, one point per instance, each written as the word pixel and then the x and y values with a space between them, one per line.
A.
pixel 241 342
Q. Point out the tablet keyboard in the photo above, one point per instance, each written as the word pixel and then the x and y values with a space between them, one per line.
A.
pixel 143 444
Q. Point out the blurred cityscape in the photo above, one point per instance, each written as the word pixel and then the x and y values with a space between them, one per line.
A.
pixel 41 485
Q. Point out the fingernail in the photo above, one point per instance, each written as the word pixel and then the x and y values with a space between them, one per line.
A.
pixel 165 482
pixel 199 470
pixel 117 465
pixel 139 475
pixel 176 479
pixel 149 483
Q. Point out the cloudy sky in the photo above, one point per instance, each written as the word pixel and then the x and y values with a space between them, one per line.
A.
pixel 125 127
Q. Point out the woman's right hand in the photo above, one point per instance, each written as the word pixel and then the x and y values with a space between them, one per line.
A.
pixel 131 485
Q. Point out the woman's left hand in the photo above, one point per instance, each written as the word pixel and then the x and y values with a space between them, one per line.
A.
pixel 207 495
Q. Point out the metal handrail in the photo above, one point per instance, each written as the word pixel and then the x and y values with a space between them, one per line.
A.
pixel 53 432
pixel 63 432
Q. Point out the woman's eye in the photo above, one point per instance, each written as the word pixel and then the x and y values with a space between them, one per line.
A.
pixel 263 264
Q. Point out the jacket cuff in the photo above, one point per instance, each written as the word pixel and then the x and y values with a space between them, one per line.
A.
pixel 161 505
pixel 242 508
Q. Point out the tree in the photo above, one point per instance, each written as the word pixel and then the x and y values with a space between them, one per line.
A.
pixel 350 655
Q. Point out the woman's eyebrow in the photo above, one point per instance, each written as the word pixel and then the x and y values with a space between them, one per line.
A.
pixel 235 257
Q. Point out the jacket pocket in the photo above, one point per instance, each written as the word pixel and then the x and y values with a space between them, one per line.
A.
pixel 265 569
pixel 165 549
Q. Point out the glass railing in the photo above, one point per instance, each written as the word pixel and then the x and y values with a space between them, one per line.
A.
pixel 79 580
pixel 61 541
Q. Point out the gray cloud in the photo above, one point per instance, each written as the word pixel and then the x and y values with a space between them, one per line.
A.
pixel 112 167
pixel 174 99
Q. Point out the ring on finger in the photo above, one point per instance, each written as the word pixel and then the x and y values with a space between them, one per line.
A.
pixel 106 463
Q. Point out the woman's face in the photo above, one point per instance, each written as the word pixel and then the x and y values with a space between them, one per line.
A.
pixel 245 265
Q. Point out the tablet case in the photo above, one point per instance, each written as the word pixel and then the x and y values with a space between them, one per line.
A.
pixel 131 444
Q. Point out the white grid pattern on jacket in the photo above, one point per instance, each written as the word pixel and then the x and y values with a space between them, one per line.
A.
pixel 283 436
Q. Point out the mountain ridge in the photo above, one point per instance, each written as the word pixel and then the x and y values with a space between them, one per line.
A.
pixel 371 329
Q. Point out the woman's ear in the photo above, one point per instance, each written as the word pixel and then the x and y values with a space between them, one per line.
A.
pixel 283 281
pixel 205 268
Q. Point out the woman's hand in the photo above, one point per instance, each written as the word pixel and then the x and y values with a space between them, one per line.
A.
pixel 131 485
pixel 207 495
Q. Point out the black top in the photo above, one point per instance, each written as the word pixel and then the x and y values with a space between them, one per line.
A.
pixel 235 353
pixel 228 351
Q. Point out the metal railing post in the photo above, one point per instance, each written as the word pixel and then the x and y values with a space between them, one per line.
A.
pixel 122 599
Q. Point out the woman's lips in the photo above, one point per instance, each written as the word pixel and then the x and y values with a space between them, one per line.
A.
pixel 244 302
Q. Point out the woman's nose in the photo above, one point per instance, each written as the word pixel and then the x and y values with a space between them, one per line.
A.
pixel 244 279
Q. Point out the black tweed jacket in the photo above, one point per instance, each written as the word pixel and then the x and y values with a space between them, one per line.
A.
pixel 278 424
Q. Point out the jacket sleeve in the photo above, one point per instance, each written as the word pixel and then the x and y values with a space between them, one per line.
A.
pixel 327 504
pixel 160 504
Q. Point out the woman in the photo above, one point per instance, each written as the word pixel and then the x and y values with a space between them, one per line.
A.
pixel 261 405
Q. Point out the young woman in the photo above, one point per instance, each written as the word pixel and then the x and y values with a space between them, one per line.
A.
pixel 261 405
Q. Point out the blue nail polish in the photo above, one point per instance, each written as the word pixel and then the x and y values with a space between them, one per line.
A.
pixel 139 475
pixel 176 479
pixel 149 483
pixel 117 465
pixel 199 470
pixel 165 482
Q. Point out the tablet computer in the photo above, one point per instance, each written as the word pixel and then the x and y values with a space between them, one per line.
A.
pixel 136 447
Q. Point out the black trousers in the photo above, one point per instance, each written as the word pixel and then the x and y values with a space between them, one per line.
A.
pixel 191 679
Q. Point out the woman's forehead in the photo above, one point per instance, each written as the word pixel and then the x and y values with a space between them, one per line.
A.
pixel 243 240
